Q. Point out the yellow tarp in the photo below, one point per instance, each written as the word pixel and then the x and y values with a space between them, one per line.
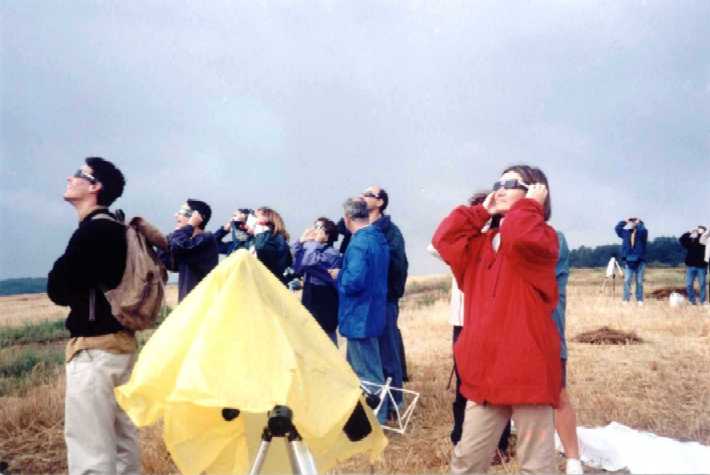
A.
pixel 240 339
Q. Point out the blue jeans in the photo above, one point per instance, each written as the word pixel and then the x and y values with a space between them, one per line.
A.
pixel 691 274
pixel 629 274
pixel 389 352
pixel 363 354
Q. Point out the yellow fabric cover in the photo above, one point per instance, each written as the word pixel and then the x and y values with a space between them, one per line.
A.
pixel 240 339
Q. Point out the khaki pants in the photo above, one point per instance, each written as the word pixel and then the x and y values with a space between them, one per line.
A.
pixel 100 437
pixel 483 426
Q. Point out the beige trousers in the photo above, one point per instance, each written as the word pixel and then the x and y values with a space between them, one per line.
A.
pixel 483 425
pixel 100 437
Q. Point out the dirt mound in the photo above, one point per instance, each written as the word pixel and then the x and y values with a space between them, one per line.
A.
pixel 608 336
pixel 665 292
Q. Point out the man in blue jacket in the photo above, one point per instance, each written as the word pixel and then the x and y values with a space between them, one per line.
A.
pixel 391 344
pixel 362 291
pixel 634 235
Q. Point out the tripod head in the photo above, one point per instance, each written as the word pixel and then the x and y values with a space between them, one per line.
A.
pixel 280 422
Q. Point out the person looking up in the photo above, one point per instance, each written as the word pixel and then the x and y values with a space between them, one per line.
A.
pixel 633 234
pixel 237 228
pixel 100 353
pixel 314 257
pixel 695 260
pixel 270 242
pixel 508 356
pixel 192 251
pixel 362 293
pixel 391 343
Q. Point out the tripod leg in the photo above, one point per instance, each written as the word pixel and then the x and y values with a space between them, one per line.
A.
pixel 260 457
pixel 302 462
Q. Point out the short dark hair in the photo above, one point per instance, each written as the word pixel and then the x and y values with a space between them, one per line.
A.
pixel 202 208
pixel 532 175
pixel 110 177
pixel 330 229
pixel 385 199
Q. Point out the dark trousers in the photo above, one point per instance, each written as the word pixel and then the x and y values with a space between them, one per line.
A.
pixel 459 407
pixel 389 351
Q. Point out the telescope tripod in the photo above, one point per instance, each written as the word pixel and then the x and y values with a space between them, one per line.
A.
pixel 280 424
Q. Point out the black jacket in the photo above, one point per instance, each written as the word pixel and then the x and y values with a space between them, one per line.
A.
pixel 192 257
pixel 696 251
pixel 273 251
pixel 95 258
pixel 398 265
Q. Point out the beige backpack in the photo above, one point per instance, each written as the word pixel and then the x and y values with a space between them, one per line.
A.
pixel 137 300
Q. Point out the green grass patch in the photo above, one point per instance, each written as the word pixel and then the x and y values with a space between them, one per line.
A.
pixel 40 332
pixel 21 369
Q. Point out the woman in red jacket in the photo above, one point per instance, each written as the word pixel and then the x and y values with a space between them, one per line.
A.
pixel 508 354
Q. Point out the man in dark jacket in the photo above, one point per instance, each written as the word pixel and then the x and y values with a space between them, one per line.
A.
pixel 237 227
pixel 100 353
pixel 192 251
pixel 362 295
pixel 391 344
pixel 634 235
pixel 695 260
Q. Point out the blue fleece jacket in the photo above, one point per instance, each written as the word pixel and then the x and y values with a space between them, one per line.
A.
pixel 362 285
pixel 636 253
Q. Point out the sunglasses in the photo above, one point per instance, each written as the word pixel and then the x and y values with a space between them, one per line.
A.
pixel 369 194
pixel 81 174
pixel 185 211
pixel 510 185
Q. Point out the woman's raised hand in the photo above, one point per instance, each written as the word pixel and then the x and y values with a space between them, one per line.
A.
pixel 537 192
pixel 490 203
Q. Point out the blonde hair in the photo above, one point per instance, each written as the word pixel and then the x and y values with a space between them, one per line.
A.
pixel 275 222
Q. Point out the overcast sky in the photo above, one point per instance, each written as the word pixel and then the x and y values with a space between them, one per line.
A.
pixel 298 105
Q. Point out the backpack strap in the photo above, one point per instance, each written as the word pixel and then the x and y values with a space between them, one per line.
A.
pixel 92 291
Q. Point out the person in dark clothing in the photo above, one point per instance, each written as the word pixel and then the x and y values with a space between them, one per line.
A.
pixel 237 228
pixel 192 251
pixel 695 260
pixel 343 231
pixel 100 352
pixel 270 243
pixel 391 344
pixel 314 257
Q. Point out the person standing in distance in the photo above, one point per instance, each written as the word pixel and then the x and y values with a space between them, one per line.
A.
pixel 633 234
pixel 695 260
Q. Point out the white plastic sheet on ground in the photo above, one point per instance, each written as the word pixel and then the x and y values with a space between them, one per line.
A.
pixel 617 447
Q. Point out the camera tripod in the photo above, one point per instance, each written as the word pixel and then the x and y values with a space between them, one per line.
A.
pixel 280 424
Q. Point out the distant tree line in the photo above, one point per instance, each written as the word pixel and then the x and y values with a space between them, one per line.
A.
pixel 661 251
pixel 24 285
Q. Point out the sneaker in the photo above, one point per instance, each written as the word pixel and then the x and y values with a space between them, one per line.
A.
pixel 640 303
pixel 574 467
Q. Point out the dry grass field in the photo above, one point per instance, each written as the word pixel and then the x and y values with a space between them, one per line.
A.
pixel 661 385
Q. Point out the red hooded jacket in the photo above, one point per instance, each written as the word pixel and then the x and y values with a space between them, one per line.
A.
pixel 509 350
